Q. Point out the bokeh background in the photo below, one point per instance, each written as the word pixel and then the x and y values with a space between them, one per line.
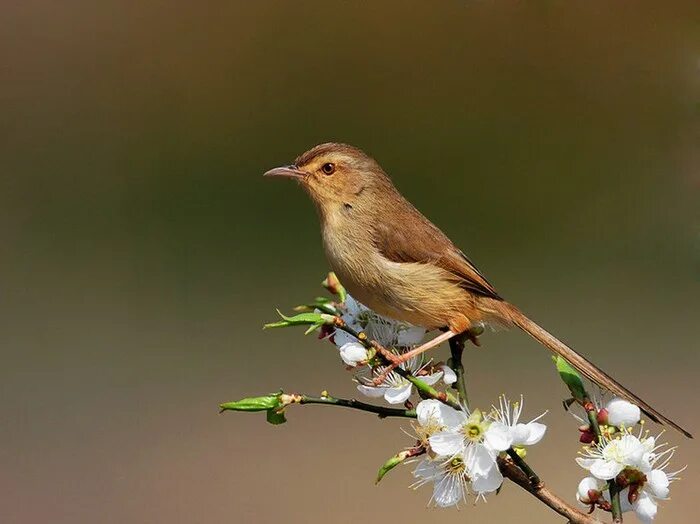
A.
pixel 141 251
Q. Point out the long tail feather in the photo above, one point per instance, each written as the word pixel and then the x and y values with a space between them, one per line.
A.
pixel 586 367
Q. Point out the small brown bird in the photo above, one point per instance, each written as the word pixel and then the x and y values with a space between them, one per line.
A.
pixel 398 263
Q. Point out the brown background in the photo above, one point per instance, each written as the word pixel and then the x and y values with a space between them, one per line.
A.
pixel 556 142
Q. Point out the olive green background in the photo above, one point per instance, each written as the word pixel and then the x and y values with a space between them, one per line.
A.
pixel 141 251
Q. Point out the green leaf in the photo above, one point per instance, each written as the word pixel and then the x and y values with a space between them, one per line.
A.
pixel 263 403
pixel 332 284
pixel 301 319
pixel 389 465
pixel 325 305
pixel 312 329
pixel 276 417
pixel 571 378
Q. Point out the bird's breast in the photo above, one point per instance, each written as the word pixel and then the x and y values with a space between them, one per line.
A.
pixel 421 294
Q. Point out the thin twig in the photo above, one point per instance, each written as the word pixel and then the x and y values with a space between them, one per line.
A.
pixel 543 494
pixel 426 391
pixel 615 505
pixel 328 400
pixel 592 418
pixel 520 462
pixel 456 349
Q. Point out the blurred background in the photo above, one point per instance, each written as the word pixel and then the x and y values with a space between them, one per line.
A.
pixel 141 251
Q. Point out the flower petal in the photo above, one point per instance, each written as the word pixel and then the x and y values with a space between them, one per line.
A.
pixel 450 417
pixel 631 449
pixel 645 507
pixel 353 307
pixel 448 491
pixel 498 437
pixel 488 483
pixel 536 431
pixel 428 411
pixel 606 469
pixel 431 379
pixel 399 394
pixel 410 336
pixel 341 338
pixel 520 433
pixel 428 469
pixel 446 443
pixel 449 376
pixel 622 413
pixel 585 463
pixel 353 353
pixel 479 460
pixel 658 483
pixel 370 391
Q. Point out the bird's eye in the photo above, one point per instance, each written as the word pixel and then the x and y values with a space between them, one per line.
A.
pixel 328 168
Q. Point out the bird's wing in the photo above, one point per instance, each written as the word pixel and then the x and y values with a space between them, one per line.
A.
pixel 416 239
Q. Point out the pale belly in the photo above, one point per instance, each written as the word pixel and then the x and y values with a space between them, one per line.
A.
pixel 420 294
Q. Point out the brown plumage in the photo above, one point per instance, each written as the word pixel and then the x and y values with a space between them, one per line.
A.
pixel 395 261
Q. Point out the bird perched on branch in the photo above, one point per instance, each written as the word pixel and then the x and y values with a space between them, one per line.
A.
pixel 398 263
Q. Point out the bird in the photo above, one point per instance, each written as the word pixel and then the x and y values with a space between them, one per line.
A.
pixel 394 260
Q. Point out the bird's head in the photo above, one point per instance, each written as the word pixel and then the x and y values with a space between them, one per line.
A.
pixel 335 175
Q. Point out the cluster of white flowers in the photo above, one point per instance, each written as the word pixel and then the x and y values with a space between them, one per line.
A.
pixel 463 447
pixel 635 462
pixel 391 334
pixel 463 452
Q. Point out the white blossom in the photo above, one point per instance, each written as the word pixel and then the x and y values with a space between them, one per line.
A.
pixel 476 437
pixel 453 481
pixel 433 416
pixel 639 464
pixel 394 388
pixel 387 332
pixel 606 460
pixel 449 477
pixel 522 434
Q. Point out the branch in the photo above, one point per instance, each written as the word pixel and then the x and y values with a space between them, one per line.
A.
pixel 525 467
pixel 456 349
pixel 383 412
pixel 427 391
pixel 542 493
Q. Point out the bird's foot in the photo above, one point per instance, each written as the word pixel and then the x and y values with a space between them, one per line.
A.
pixel 385 372
pixel 388 355
pixel 473 335
pixel 396 360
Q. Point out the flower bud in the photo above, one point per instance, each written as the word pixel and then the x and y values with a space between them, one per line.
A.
pixel 263 403
pixel 622 413
pixel 333 285
pixel 602 416
pixel 353 353
pixel 589 491
pixel 587 436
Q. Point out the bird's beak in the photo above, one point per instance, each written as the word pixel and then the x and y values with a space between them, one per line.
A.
pixel 287 171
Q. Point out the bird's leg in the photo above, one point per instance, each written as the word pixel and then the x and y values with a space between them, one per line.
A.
pixel 392 357
pixel 400 359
